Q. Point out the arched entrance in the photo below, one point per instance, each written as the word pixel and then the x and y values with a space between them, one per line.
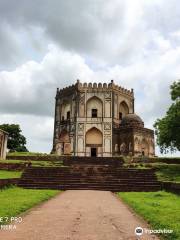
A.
pixel 144 148
pixel 94 141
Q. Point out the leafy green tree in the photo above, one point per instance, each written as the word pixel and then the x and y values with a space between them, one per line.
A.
pixel 167 129
pixel 16 141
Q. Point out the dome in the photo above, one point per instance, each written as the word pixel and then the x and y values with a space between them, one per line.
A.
pixel 132 120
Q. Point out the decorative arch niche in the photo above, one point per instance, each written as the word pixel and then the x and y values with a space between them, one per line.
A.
pixel 144 148
pixel 123 148
pixel 136 145
pixel 65 110
pixel 94 104
pixel 123 109
pixel 94 137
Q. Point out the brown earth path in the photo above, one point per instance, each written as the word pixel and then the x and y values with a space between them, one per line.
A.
pixel 79 215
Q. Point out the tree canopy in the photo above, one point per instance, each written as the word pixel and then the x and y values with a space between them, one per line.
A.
pixel 167 129
pixel 16 141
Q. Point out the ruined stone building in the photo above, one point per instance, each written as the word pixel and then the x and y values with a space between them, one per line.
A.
pixel 3 144
pixel 99 120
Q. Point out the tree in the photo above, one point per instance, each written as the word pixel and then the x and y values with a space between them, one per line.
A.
pixel 167 129
pixel 16 141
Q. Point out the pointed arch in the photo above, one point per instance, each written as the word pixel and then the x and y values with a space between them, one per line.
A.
pixel 94 107
pixel 94 137
pixel 144 147
pixel 123 109
pixel 136 144
pixel 123 148
pixel 65 110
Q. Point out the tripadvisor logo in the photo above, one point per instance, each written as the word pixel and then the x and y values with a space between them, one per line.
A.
pixel 139 231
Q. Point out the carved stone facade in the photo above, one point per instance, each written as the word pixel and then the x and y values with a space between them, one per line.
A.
pixel 99 120
pixel 3 144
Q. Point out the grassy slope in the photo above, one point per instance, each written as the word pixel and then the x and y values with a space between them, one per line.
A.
pixel 17 200
pixel 29 154
pixel 25 154
pixel 37 163
pixel 168 172
pixel 164 172
pixel 9 174
pixel 160 209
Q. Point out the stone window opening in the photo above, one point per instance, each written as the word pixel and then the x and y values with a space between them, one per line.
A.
pixel 120 115
pixel 123 108
pixel 94 113
pixel 62 118
pixel 68 115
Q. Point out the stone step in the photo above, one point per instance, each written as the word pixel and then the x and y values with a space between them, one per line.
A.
pixel 87 167
pixel 90 160
pixel 85 170
pixel 90 177
pixel 88 173
pixel 88 182
pixel 95 173
pixel 105 188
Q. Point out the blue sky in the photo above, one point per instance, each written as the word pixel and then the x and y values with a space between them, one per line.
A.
pixel 136 43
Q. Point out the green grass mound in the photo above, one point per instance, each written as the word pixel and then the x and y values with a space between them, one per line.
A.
pixel 160 209
pixel 17 200
pixel 165 172
pixel 26 154
pixel 168 172
pixel 35 163
pixel 9 174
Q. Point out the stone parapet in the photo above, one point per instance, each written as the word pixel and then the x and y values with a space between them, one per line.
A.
pixel 95 86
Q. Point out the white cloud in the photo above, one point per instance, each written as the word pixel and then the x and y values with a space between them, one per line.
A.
pixel 37 130
pixel 136 43
pixel 31 87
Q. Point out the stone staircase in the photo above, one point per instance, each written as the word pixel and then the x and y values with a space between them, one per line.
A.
pixel 110 161
pixel 87 176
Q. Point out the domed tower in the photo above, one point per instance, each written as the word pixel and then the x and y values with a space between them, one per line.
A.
pixel 133 138
pixel 132 120
pixel 98 119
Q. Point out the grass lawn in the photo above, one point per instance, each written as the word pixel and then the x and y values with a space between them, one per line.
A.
pixel 37 163
pixel 9 174
pixel 16 200
pixel 160 209
pixel 168 172
pixel 165 172
pixel 25 154
pixel 29 154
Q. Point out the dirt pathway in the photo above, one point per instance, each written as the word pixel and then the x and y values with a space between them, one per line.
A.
pixel 78 215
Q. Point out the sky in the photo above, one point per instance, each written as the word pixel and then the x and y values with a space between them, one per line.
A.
pixel 46 44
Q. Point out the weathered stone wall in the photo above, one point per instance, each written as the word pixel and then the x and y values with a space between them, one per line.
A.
pixel 3 144
pixel 8 182
pixel 12 166
pixel 171 187
pixel 36 157
pixel 156 159
pixel 144 142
